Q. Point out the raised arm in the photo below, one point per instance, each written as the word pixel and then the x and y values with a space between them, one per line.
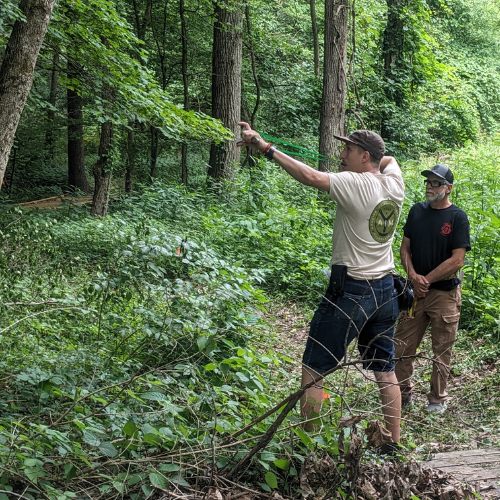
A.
pixel 298 170
pixel 388 161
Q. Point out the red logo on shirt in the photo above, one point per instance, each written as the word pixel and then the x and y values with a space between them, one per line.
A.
pixel 446 229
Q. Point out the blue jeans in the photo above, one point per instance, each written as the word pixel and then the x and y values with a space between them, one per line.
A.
pixel 367 311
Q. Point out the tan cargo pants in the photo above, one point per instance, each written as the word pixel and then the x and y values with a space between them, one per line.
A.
pixel 441 310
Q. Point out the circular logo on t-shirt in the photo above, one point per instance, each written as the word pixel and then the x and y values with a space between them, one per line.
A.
pixel 383 220
pixel 446 229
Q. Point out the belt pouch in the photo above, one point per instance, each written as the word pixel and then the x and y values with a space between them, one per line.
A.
pixel 337 280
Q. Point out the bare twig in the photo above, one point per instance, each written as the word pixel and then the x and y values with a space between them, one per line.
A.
pixel 5 492
pixel 26 304
pixel 38 314
pixel 257 493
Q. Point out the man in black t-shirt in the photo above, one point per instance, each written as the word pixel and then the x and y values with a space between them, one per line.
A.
pixel 436 238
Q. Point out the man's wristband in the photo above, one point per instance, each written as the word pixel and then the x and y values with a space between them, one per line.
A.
pixel 267 148
pixel 269 152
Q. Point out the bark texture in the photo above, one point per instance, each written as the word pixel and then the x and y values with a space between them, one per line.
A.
pixel 226 86
pixel 332 119
pixel 16 72
pixel 77 178
pixel 102 172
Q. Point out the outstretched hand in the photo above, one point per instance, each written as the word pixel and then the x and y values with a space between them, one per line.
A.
pixel 250 137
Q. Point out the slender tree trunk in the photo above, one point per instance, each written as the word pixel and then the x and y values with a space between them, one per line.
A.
pixel 185 85
pixel 102 172
pixel 103 168
pixel 392 53
pixel 8 183
pixel 77 178
pixel 254 66
pixel 129 172
pixel 154 152
pixel 51 114
pixel 314 24
pixel 226 86
pixel 16 72
pixel 184 168
pixel 161 40
pixel 141 26
pixel 250 118
pixel 332 119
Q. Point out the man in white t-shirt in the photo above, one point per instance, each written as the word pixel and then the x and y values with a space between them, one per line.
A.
pixel 369 192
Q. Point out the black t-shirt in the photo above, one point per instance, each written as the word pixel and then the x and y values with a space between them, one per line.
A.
pixel 434 234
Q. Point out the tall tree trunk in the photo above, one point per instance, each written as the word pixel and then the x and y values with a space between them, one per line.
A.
pixel 155 137
pixel 141 26
pixel 332 116
pixel 16 72
pixel 184 169
pixel 247 116
pixel 226 86
pixel 314 25
pixel 51 114
pixel 185 86
pixel 77 178
pixel 161 41
pixel 131 150
pixel 102 172
pixel 392 53
pixel 103 168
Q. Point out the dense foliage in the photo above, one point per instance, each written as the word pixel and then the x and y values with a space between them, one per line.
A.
pixel 441 94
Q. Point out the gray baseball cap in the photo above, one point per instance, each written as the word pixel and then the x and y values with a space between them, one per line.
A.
pixel 441 171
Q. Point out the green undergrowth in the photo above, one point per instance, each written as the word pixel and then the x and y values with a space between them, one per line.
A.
pixel 122 341
pixel 134 346
pixel 126 338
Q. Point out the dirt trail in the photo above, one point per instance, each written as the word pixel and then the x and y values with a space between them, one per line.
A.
pixel 56 202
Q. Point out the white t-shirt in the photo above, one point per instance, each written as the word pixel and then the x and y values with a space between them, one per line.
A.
pixel 368 209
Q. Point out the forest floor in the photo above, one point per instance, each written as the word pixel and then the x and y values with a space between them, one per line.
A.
pixel 471 420
pixel 472 417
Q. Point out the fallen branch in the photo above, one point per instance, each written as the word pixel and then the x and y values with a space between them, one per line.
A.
pixel 26 304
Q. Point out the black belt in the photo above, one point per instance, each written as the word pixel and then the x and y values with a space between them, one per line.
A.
pixel 446 285
pixel 374 280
